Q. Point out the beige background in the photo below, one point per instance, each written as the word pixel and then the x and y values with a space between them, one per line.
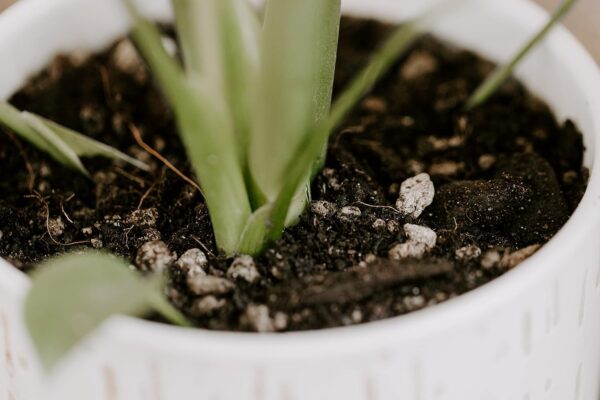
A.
pixel 584 21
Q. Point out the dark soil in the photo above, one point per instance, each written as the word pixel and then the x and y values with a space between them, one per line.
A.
pixel 507 177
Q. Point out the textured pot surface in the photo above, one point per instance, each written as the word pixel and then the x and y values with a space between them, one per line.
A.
pixel 531 334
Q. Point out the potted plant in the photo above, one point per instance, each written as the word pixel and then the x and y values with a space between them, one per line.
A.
pixel 534 326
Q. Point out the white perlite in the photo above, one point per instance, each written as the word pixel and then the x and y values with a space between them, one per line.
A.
pixel 192 262
pixel 203 285
pixel 349 213
pixel 243 267
pixel 414 302
pixel 416 194
pixel 323 208
pixel 418 64
pixel 257 318
pixel 379 224
pixel 126 58
pixel 280 321
pixel 56 226
pixel 420 234
pixel 206 306
pixel 407 250
pixel 392 226
pixel 144 218
pixel 154 256
pixel 421 239
pixel 490 259
pixel 468 253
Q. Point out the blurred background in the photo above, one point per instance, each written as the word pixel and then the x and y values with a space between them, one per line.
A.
pixel 581 21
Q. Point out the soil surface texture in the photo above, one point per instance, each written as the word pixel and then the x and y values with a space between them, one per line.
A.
pixel 419 201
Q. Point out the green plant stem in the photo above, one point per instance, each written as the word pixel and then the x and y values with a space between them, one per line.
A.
pixel 501 74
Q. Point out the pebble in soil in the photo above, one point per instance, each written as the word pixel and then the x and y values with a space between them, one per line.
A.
pixel 418 202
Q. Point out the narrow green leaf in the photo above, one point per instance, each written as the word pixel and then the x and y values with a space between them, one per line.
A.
pixel 55 145
pixel 210 142
pixel 85 146
pixel 311 148
pixel 299 47
pixel 208 134
pixel 252 240
pixel 74 294
pixel 62 144
pixel 40 136
pixel 166 69
pixel 490 85
pixel 383 59
pixel 220 42
pixel 11 118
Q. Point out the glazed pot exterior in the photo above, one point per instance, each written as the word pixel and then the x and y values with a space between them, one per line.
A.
pixel 533 333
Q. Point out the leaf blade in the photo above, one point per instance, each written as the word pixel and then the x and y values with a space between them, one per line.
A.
pixel 309 152
pixel 68 300
pixel 299 47
pixel 220 44
pixel 85 146
pixel 73 294
pixel 55 145
pixel 64 145
pixel 492 83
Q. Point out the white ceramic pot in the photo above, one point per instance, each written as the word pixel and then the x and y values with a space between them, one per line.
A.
pixel 531 334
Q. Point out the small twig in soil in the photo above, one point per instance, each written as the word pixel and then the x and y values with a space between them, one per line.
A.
pixel 204 247
pixel 62 208
pixel 138 138
pixel 374 206
pixel 145 195
pixel 127 234
pixel 351 130
pixel 357 284
pixel 131 177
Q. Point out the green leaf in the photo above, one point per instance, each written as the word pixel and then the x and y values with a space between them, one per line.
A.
pixel 299 47
pixel 309 152
pixel 55 146
pixel 62 144
pixel 220 42
pixel 252 240
pixel 149 41
pixel 74 294
pixel 85 146
pixel 380 63
pixel 208 135
pixel 490 85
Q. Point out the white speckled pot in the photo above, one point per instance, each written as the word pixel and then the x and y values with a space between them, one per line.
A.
pixel 531 334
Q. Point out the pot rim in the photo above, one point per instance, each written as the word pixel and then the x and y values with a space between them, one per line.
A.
pixel 332 341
